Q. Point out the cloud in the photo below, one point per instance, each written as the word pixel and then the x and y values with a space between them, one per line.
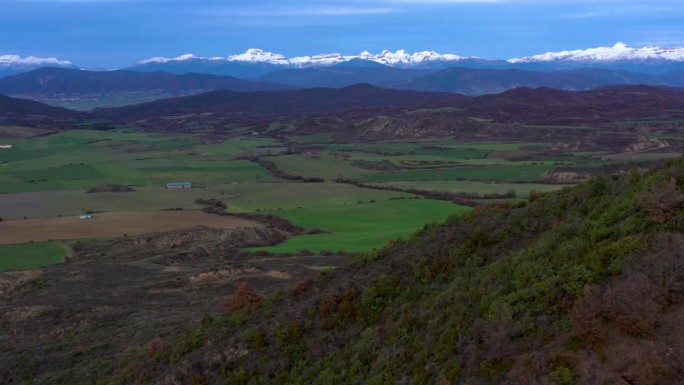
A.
pixel 275 11
pixel 621 12
pixel 317 11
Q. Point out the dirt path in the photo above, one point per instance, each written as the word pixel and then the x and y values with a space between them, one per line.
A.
pixel 113 224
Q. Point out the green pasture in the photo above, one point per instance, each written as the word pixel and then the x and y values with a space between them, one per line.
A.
pixel 522 190
pixel 417 148
pixel 454 158
pixel 321 166
pixel 240 146
pixel 311 138
pixel 84 158
pixel 31 255
pixel 360 227
pixel 531 173
pixel 269 197
pixel 210 172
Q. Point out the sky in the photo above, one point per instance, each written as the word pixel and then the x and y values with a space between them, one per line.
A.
pixel 117 33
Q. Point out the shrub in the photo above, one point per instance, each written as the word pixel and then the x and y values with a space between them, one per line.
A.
pixel 244 297
pixel 300 286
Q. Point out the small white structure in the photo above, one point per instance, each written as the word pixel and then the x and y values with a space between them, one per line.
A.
pixel 6 146
pixel 179 185
pixel 85 216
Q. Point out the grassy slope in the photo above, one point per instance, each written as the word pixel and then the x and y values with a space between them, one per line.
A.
pixel 493 296
pixel 31 255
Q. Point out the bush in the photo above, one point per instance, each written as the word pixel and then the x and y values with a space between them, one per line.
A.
pixel 244 297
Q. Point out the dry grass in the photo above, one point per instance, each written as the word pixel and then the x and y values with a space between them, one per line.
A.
pixel 114 224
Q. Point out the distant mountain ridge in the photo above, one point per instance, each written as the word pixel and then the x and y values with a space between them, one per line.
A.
pixel 618 52
pixel 71 82
pixel 400 58
pixel 471 81
pixel 15 64
pixel 48 84
pixel 256 62
pixel 403 59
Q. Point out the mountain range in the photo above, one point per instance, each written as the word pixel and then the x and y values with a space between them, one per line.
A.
pixel 468 81
pixel 619 52
pixel 81 89
pixel 256 62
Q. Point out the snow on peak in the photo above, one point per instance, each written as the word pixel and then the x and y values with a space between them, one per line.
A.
pixel 159 59
pixel 400 58
pixel 618 52
pixel 320 60
pixel 255 55
pixel 31 61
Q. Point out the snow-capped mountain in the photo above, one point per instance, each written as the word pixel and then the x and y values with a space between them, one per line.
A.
pixel 14 64
pixel 31 61
pixel 255 55
pixel 618 52
pixel 400 58
pixel 187 56
pixel 256 62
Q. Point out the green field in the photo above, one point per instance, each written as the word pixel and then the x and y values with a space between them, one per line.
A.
pixel 239 146
pixel 359 227
pixel 81 159
pixel 321 166
pixel 531 173
pixel 418 147
pixel 31 255
pixel 480 188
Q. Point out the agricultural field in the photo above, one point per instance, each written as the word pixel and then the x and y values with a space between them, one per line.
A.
pixel 474 187
pixel 112 224
pixel 43 180
pixel 361 226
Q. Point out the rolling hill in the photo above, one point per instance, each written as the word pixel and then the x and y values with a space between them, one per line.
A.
pixel 520 105
pixel 12 109
pixel 354 99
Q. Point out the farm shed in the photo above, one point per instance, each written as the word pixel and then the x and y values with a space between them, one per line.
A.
pixel 179 185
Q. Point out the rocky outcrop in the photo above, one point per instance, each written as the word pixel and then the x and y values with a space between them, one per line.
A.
pixel 645 144
pixel 564 176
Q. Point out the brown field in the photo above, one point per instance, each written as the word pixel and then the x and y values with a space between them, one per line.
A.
pixel 112 224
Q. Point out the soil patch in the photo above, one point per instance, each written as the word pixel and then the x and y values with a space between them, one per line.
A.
pixel 113 224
